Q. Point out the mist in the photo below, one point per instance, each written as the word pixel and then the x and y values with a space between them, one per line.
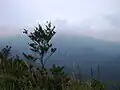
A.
pixel 94 18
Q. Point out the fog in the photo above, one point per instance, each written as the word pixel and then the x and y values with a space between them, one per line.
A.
pixel 95 18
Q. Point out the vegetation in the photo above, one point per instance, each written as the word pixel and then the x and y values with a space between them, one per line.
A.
pixel 17 74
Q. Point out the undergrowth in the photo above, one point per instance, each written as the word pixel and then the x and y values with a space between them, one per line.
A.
pixel 18 74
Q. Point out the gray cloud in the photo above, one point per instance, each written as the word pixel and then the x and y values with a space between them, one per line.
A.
pixel 105 27
pixel 96 18
pixel 27 12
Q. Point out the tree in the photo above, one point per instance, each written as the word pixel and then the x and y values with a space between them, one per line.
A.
pixel 4 56
pixel 41 43
pixel 55 78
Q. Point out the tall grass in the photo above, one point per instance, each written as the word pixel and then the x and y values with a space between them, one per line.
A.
pixel 17 74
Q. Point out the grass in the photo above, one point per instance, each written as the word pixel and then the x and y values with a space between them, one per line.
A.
pixel 17 74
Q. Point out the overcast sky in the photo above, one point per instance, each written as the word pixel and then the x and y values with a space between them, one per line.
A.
pixel 97 18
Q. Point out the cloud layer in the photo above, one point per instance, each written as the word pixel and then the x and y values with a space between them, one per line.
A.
pixel 96 18
pixel 102 27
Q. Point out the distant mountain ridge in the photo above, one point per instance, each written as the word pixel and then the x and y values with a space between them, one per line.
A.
pixel 77 46
pixel 87 52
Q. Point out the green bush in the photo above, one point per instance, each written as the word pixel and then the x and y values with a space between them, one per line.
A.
pixel 17 74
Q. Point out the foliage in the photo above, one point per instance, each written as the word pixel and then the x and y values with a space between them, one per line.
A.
pixel 41 44
pixel 17 74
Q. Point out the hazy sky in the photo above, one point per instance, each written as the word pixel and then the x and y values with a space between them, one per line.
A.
pixel 100 18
